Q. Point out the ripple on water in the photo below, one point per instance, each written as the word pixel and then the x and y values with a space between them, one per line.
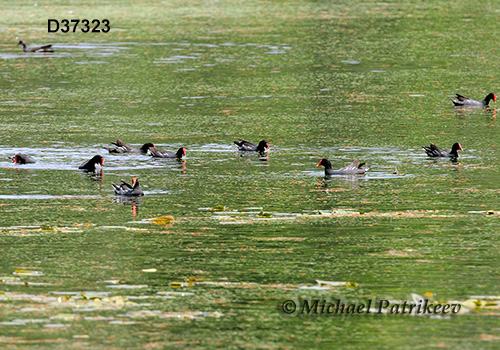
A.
pixel 42 196
pixel 121 48
pixel 91 62
pixel 67 157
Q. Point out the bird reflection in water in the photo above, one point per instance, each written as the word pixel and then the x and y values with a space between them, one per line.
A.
pixel 135 202
pixel 464 113
pixel 180 161
pixel 182 164
pixel 95 177
pixel 352 182
pixel 264 157
pixel 249 157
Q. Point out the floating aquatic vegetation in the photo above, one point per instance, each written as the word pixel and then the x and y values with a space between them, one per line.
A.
pixel 174 294
pixel 392 214
pixel 264 239
pixel 483 303
pixel 112 281
pixel 22 231
pixel 191 315
pixel 333 284
pixel 235 217
pixel 26 283
pixel 165 220
pixel 401 253
pixel 77 301
pixel 190 282
pixel 126 228
pixel 27 273
pixel 127 286
pixel 149 270
pixel 5 279
pixel 217 208
pixel 230 284
pixel 162 220
pixel 11 296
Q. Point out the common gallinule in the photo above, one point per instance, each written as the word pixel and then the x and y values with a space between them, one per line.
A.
pixel 435 151
pixel 121 147
pixel 469 102
pixel 246 146
pixel 22 158
pixel 44 48
pixel 93 165
pixel 128 190
pixel 158 153
pixel 354 168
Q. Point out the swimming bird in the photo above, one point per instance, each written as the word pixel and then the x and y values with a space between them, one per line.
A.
pixel 44 48
pixel 354 168
pixel 435 151
pixel 128 190
pixel 469 102
pixel 22 158
pixel 121 147
pixel 158 153
pixel 251 147
pixel 93 165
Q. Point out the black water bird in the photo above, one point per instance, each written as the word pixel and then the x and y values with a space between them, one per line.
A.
pixel 246 146
pixel 435 151
pixel 22 158
pixel 462 101
pixel 128 190
pixel 43 48
pixel 158 153
pixel 122 147
pixel 93 165
pixel 354 168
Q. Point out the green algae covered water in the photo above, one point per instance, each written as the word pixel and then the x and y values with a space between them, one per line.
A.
pixel 252 237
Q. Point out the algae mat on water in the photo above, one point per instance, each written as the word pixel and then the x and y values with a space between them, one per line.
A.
pixel 231 250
